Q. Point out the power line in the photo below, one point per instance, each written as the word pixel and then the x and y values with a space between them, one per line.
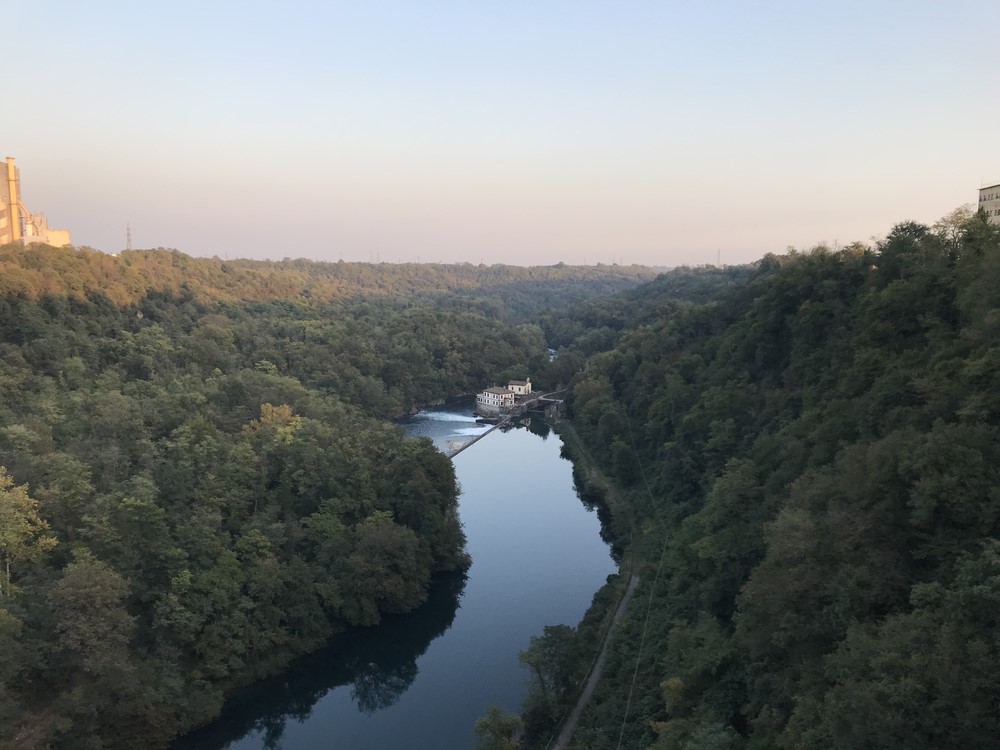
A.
pixel 642 643
pixel 652 588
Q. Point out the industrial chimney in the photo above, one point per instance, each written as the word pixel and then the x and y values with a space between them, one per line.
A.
pixel 13 201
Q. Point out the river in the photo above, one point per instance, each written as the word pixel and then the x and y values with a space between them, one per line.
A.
pixel 419 681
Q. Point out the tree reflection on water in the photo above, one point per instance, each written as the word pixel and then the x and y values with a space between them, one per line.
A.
pixel 379 663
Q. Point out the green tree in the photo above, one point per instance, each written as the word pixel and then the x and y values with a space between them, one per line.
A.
pixel 551 659
pixel 22 531
pixel 93 625
pixel 387 570
pixel 497 730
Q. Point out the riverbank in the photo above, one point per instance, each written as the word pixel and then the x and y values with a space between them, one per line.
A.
pixel 419 681
pixel 566 734
pixel 602 621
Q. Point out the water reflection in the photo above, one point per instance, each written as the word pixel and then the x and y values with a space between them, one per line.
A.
pixel 537 426
pixel 537 561
pixel 379 663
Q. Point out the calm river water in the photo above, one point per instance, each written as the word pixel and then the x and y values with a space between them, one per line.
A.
pixel 419 681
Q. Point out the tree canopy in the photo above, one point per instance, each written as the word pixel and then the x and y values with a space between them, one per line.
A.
pixel 200 480
pixel 812 455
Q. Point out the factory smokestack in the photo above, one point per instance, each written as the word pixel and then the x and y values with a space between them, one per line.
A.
pixel 14 205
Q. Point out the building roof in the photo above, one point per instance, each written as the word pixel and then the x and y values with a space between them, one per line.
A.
pixel 500 391
pixel 519 382
pixel 989 187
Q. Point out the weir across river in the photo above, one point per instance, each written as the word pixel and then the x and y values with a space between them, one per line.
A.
pixel 541 403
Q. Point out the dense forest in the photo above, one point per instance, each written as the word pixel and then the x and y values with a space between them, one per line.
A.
pixel 808 465
pixel 199 480
pixel 799 458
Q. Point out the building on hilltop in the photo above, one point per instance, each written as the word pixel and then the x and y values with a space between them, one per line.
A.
pixel 989 203
pixel 17 223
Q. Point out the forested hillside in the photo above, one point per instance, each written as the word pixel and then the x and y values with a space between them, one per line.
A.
pixel 812 465
pixel 198 480
pixel 514 292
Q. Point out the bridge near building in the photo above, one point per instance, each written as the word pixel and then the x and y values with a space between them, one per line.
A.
pixel 534 402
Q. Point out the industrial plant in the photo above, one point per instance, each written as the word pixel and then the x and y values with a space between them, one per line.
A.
pixel 17 223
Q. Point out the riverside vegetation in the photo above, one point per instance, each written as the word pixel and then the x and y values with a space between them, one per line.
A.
pixel 809 460
pixel 200 480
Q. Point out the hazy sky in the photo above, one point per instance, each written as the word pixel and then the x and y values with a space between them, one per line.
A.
pixel 516 131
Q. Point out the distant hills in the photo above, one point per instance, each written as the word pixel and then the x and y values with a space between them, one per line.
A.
pixel 128 276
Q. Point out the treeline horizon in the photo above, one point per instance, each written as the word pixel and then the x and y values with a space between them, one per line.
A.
pixel 127 276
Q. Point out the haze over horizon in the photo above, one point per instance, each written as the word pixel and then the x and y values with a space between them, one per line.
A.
pixel 655 133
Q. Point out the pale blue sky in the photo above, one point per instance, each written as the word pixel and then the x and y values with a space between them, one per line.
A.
pixel 523 132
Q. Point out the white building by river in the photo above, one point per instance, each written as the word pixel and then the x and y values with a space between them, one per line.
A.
pixel 494 401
